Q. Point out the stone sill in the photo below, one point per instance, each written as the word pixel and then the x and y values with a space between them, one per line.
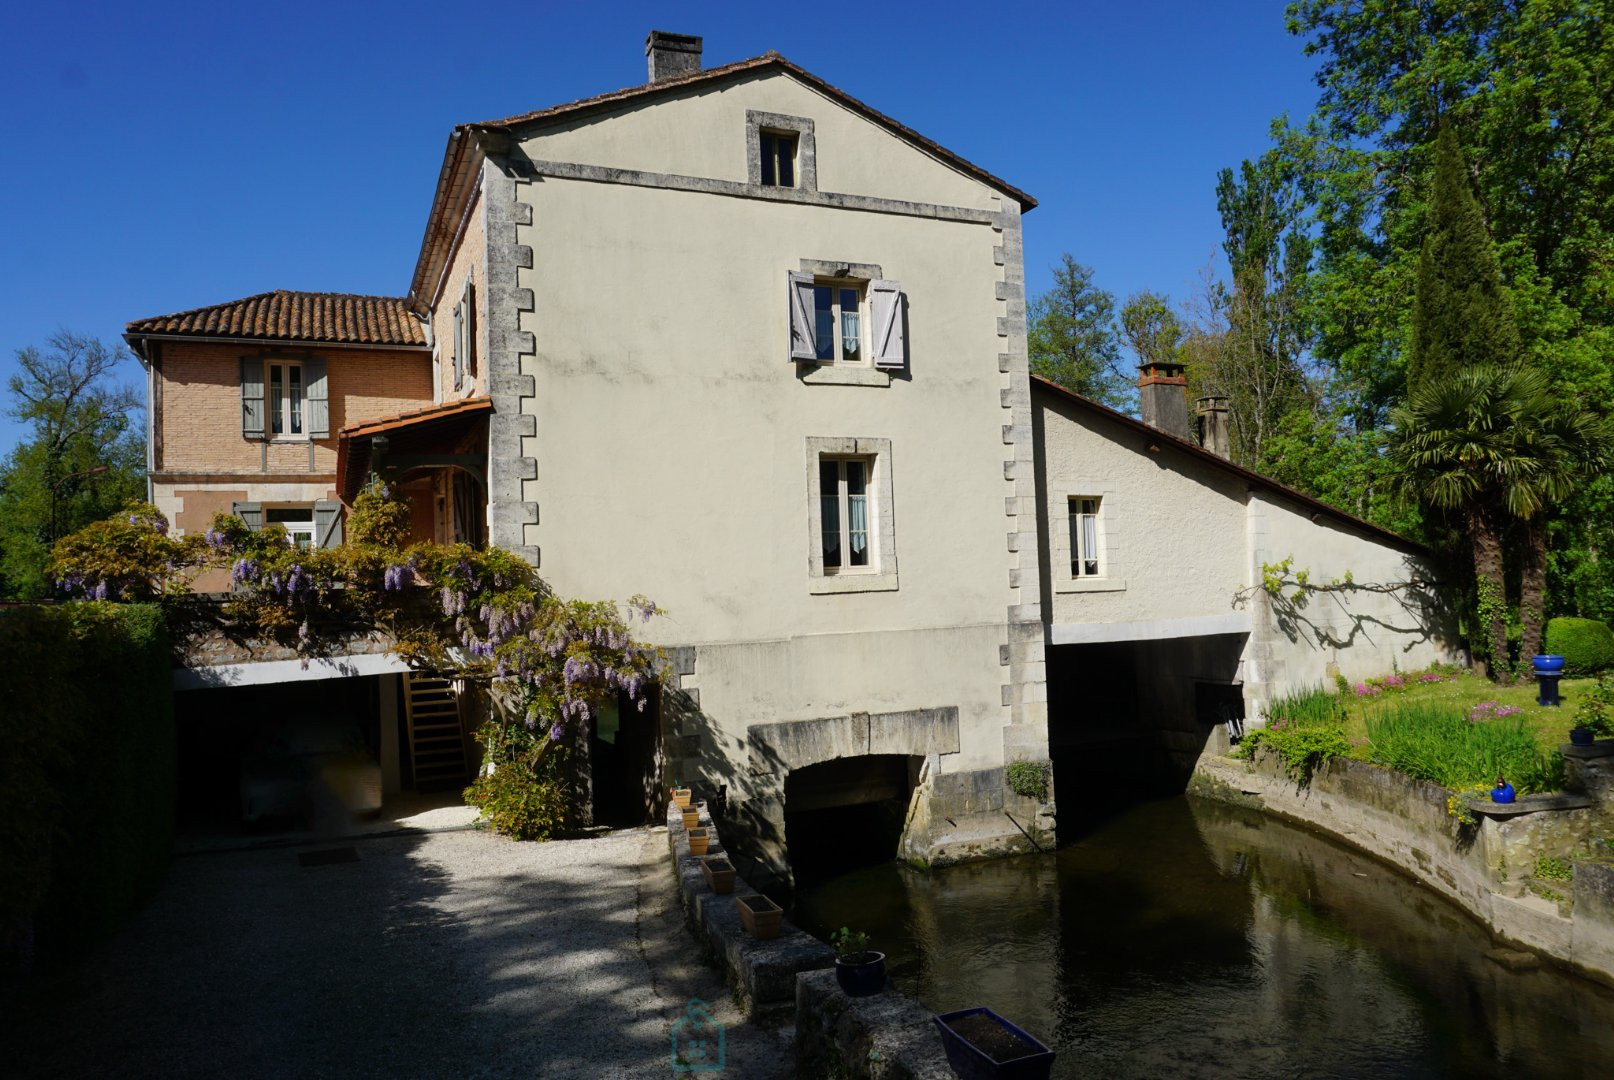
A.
pixel 1530 804
pixel 1600 749
pixel 832 375
pixel 1091 585
pixel 852 583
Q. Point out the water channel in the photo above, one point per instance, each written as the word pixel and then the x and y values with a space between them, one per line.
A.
pixel 1189 938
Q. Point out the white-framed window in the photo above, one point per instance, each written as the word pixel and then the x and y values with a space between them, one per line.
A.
pixel 843 498
pixel 852 526
pixel 285 379
pixel 778 157
pixel 1086 543
pixel 838 322
pixel 298 521
pixel 846 320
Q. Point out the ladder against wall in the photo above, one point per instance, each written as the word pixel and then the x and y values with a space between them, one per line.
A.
pixel 436 743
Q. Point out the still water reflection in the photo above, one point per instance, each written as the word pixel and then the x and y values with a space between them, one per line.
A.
pixel 1188 938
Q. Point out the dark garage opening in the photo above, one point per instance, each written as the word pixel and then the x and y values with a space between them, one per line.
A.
pixel 244 751
pixel 848 813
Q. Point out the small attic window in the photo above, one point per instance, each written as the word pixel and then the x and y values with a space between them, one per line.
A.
pixel 779 151
pixel 778 158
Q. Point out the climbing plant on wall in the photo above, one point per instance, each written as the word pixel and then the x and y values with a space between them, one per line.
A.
pixel 483 616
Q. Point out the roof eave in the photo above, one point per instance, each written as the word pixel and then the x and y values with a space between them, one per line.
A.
pixel 461 159
pixel 1250 476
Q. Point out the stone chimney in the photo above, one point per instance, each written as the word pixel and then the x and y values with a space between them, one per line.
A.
pixel 1213 435
pixel 671 55
pixel 1163 397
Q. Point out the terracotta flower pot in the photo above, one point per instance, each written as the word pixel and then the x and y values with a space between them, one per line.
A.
pixel 692 817
pixel 698 841
pixel 759 916
pixel 681 797
pixel 719 872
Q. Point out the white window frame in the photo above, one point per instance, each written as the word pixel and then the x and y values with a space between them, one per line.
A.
pixel 1065 540
pixel 297 528
pixel 880 575
pixel 843 498
pixel 1083 519
pixel 280 412
pixel 838 322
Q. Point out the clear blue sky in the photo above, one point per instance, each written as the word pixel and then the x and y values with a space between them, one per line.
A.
pixel 162 156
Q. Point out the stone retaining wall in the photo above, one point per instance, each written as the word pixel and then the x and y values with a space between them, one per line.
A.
pixel 1485 869
pixel 884 1036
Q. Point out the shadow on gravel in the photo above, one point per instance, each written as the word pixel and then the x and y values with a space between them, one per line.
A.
pixel 455 954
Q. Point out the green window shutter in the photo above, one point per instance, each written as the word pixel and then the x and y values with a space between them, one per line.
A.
pixel 249 512
pixel 327 524
pixel 468 334
pixel 316 403
pixel 459 345
pixel 252 398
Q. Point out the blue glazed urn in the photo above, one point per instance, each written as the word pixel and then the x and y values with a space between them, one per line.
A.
pixel 1547 664
pixel 1502 792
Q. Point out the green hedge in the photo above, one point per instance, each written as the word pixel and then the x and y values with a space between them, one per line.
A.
pixel 87 783
pixel 1586 645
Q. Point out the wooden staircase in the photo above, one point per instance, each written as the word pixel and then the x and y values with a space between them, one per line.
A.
pixel 436 744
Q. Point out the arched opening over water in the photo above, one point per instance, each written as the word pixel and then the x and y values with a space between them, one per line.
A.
pixel 847 813
pixel 1127 720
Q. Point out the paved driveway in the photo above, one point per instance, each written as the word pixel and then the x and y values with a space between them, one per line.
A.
pixel 454 954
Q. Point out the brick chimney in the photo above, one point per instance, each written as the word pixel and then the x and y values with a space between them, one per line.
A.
pixel 1213 434
pixel 1163 397
pixel 671 55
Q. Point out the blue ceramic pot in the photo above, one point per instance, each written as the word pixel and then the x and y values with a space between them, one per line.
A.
pixel 1581 736
pixel 1502 793
pixel 861 975
pixel 1547 664
pixel 1010 1054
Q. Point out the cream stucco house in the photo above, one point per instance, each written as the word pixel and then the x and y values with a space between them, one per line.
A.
pixel 740 342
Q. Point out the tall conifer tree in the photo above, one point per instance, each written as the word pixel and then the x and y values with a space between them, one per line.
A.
pixel 1462 315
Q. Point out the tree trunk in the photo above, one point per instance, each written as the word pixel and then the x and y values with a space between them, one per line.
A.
pixel 1533 587
pixel 1492 608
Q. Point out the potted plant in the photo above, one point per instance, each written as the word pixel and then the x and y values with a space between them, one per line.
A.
pixel 759 916
pixel 981 1044
pixel 1591 715
pixel 699 840
pixel 859 969
pixel 719 873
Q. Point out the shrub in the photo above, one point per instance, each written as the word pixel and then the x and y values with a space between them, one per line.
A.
pixel 87 778
pixel 1304 729
pixel 1587 645
pixel 1439 743
pixel 1030 778
pixel 1592 712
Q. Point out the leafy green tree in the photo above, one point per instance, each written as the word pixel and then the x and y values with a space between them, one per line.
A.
pixel 1462 314
pixel 1152 330
pixel 84 456
pixel 1071 336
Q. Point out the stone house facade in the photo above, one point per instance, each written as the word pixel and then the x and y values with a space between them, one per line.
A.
pixel 738 341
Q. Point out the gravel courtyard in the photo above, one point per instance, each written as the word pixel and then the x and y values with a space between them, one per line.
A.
pixel 450 954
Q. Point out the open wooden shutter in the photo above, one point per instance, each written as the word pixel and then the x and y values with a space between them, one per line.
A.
pixel 468 333
pixel 459 345
pixel 316 403
pixel 251 398
pixel 249 512
pixel 803 331
pixel 885 303
pixel 327 524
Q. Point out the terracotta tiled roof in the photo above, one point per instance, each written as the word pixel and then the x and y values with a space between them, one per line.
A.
pixel 409 419
pixel 338 318
pixel 768 59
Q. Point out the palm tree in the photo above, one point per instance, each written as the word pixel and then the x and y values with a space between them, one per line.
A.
pixel 1489 443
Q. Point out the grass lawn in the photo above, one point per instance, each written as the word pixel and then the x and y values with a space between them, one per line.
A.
pixel 1551 726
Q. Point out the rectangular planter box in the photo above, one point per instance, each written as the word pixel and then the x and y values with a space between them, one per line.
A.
pixel 759 916
pixel 719 873
pixel 973 1063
